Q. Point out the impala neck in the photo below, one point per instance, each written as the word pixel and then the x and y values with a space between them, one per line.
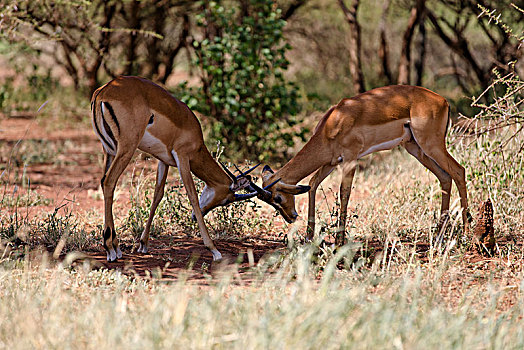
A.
pixel 205 167
pixel 312 156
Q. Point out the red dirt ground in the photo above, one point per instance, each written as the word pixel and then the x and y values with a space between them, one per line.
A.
pixel 169 256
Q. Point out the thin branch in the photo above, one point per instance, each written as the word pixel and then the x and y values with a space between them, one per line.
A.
pixel 292 8
pixel 355 62
pixel 460 46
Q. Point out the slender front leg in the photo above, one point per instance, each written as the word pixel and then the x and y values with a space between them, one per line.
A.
pixel 345 191
pixel 161 176
pixel 315 181
pixel 187 179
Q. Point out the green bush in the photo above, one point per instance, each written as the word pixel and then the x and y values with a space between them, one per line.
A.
pixel 243 88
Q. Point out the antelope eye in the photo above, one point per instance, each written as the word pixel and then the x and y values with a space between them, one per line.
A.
pixel 278 199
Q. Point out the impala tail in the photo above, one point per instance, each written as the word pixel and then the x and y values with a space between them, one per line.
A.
pixel 105 124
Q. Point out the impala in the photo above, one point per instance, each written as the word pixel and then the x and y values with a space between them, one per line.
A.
pixel 131 113
pixel 377 120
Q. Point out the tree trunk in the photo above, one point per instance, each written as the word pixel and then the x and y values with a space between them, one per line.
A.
pixel 383 50
pixel 404 65
pixel 355 61
pixel 134 24
pixel 421 54
pixel 460 46
pixel 292 8
pixel 182 43
pixel 103 48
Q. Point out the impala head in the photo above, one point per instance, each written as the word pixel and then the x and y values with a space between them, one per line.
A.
pixel 216 196
pixel 279 194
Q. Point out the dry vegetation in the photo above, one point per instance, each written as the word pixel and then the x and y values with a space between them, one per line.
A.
pixel 397 283
pixel 394 284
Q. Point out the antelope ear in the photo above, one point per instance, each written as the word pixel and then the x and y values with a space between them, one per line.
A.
pixel 267 168
pixel 267 172
pixel 294 189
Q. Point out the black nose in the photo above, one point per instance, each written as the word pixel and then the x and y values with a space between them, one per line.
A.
pixel 295 216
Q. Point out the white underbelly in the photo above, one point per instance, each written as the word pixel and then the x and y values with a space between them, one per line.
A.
pixel 156 148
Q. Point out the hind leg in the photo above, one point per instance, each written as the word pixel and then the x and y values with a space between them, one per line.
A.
pixel 116 167
pixel 161 176
pixel 429 131
pixel 108 160
pixel 457 172
pixel 444 178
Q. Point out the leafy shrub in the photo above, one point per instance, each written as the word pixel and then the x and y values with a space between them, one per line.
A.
pixel 504 111
pixel 232 219
pixel 243 86
pixel 495 157
pixel 173 212
pixel 7 232
pixel 6 91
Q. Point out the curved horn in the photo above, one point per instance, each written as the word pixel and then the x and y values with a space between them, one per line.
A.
pixel 271 184
pixel 267 172
pixel 229 173
pixel 245 173
pixel 265 195
pixel 294 189
pixel 243 196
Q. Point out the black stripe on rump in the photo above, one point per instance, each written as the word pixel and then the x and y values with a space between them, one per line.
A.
pixel 98 129
pixel 97 92
pixel 112 112
pixel 106 126
pixel 95 95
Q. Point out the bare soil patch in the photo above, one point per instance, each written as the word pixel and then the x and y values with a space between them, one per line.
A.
pixel 169 256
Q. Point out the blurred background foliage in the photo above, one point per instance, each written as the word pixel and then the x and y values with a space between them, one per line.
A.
pixel 257 70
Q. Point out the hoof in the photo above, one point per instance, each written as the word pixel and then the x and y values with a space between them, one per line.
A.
pixel 118 253
pixel 111 256
pixel 216 255
pixel 142 248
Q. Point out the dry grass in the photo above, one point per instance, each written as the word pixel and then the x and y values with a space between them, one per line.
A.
pixel 404 307
pixel 392 286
